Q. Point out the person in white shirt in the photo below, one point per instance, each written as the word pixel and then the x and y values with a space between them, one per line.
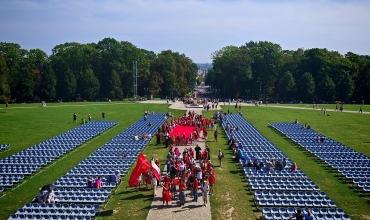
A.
pixel 205 189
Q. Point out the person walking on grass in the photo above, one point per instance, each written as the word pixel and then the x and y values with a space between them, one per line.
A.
pixel 216 135
pixel 220 156
pixel 74 118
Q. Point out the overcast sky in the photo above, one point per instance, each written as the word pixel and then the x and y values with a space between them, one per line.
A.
pixel 196 28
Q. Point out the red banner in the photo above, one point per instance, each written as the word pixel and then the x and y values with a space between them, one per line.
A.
pixel 156 170
pixel 142 165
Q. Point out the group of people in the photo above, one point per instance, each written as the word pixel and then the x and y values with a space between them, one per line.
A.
pixel 191 119
pixel 46 196
pixel 184 175
pixel 98 182
pixel 270 164
pixel 89 117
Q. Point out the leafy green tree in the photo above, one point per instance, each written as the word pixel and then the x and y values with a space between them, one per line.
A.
pixel 14 58
pixel 24 87
pixel 4 86
pixel 345 87
pixel 67 86
pixel 287 86
pixel 115 85
pixel 89 85
pixel 327 89
pixel 306 87
pixel 48 83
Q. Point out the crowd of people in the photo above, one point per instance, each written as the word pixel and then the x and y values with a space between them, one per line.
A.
pixel 89 117
pixel 188 172
pixel 191 119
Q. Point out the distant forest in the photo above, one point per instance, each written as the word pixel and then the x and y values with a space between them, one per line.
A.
pixel 257 70
pixel 93 71
pixel 264 71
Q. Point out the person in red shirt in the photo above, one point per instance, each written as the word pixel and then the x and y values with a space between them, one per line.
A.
pixel 182 189
pixel 195 189
pixel 209 165
pixel 166 196
pixel 166 179
pixel 212 181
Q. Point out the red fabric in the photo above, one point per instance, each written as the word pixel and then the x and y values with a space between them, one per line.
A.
pixel 181 129
pixel 156 170
pixel 142 165
pixel 211 179
pixel 166 196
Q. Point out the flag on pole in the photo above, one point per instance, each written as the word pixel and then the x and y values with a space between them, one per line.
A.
pixel 156 170
pixel 142 165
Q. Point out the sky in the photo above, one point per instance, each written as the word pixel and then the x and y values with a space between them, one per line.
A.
pixel 196 28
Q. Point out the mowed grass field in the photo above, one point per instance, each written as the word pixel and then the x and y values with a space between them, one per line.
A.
pixel 25 125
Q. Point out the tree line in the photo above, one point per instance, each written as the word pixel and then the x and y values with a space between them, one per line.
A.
pixel 264 71
pixel 91 71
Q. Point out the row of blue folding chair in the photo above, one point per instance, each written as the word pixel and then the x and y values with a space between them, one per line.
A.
pixel 316 201
pixel 47 217
pixel 87 189
pixel 72 184
pixel 294 203
pixel 4 146
pixel 52 154
pixel 81 199
pixel 91 197
pixel 26 160
pixel 318 213
pixel 299 196
pixel 289 193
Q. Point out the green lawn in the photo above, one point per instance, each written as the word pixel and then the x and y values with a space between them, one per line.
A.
pixel 25 125
pixel 349 129
pixel 348 107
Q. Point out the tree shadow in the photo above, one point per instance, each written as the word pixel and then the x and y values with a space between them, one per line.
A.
pixel 138 196
pixel 105 213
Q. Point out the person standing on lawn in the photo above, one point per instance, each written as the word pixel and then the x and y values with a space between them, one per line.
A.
pixel 220 156
pixel 74 118
pixel 215 135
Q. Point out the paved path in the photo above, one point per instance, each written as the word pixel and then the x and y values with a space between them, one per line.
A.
pixel 191 210
pixel 179 105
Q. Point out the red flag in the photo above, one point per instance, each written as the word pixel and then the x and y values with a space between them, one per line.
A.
pixel 156 170
pixel 142 165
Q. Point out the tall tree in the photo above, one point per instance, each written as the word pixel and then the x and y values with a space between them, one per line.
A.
pixel 48 83
pixel 287 86
pixel 4 86
pixel 306 87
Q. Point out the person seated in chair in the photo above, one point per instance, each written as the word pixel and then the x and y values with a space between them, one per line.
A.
pixel 317 139
pixel 51 196
pixel 322 139
pixel 136 137
pixel 42 196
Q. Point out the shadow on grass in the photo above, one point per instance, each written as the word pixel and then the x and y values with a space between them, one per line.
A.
pixel 235 171
pixel 106 213
pixel 138 196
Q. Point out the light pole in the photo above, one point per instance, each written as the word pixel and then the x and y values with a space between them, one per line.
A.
pixel 260 91
pixel 247 93
pixel 146 92
pixel 217 91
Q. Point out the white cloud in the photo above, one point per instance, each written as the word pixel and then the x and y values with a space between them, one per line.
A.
pixel 195 28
